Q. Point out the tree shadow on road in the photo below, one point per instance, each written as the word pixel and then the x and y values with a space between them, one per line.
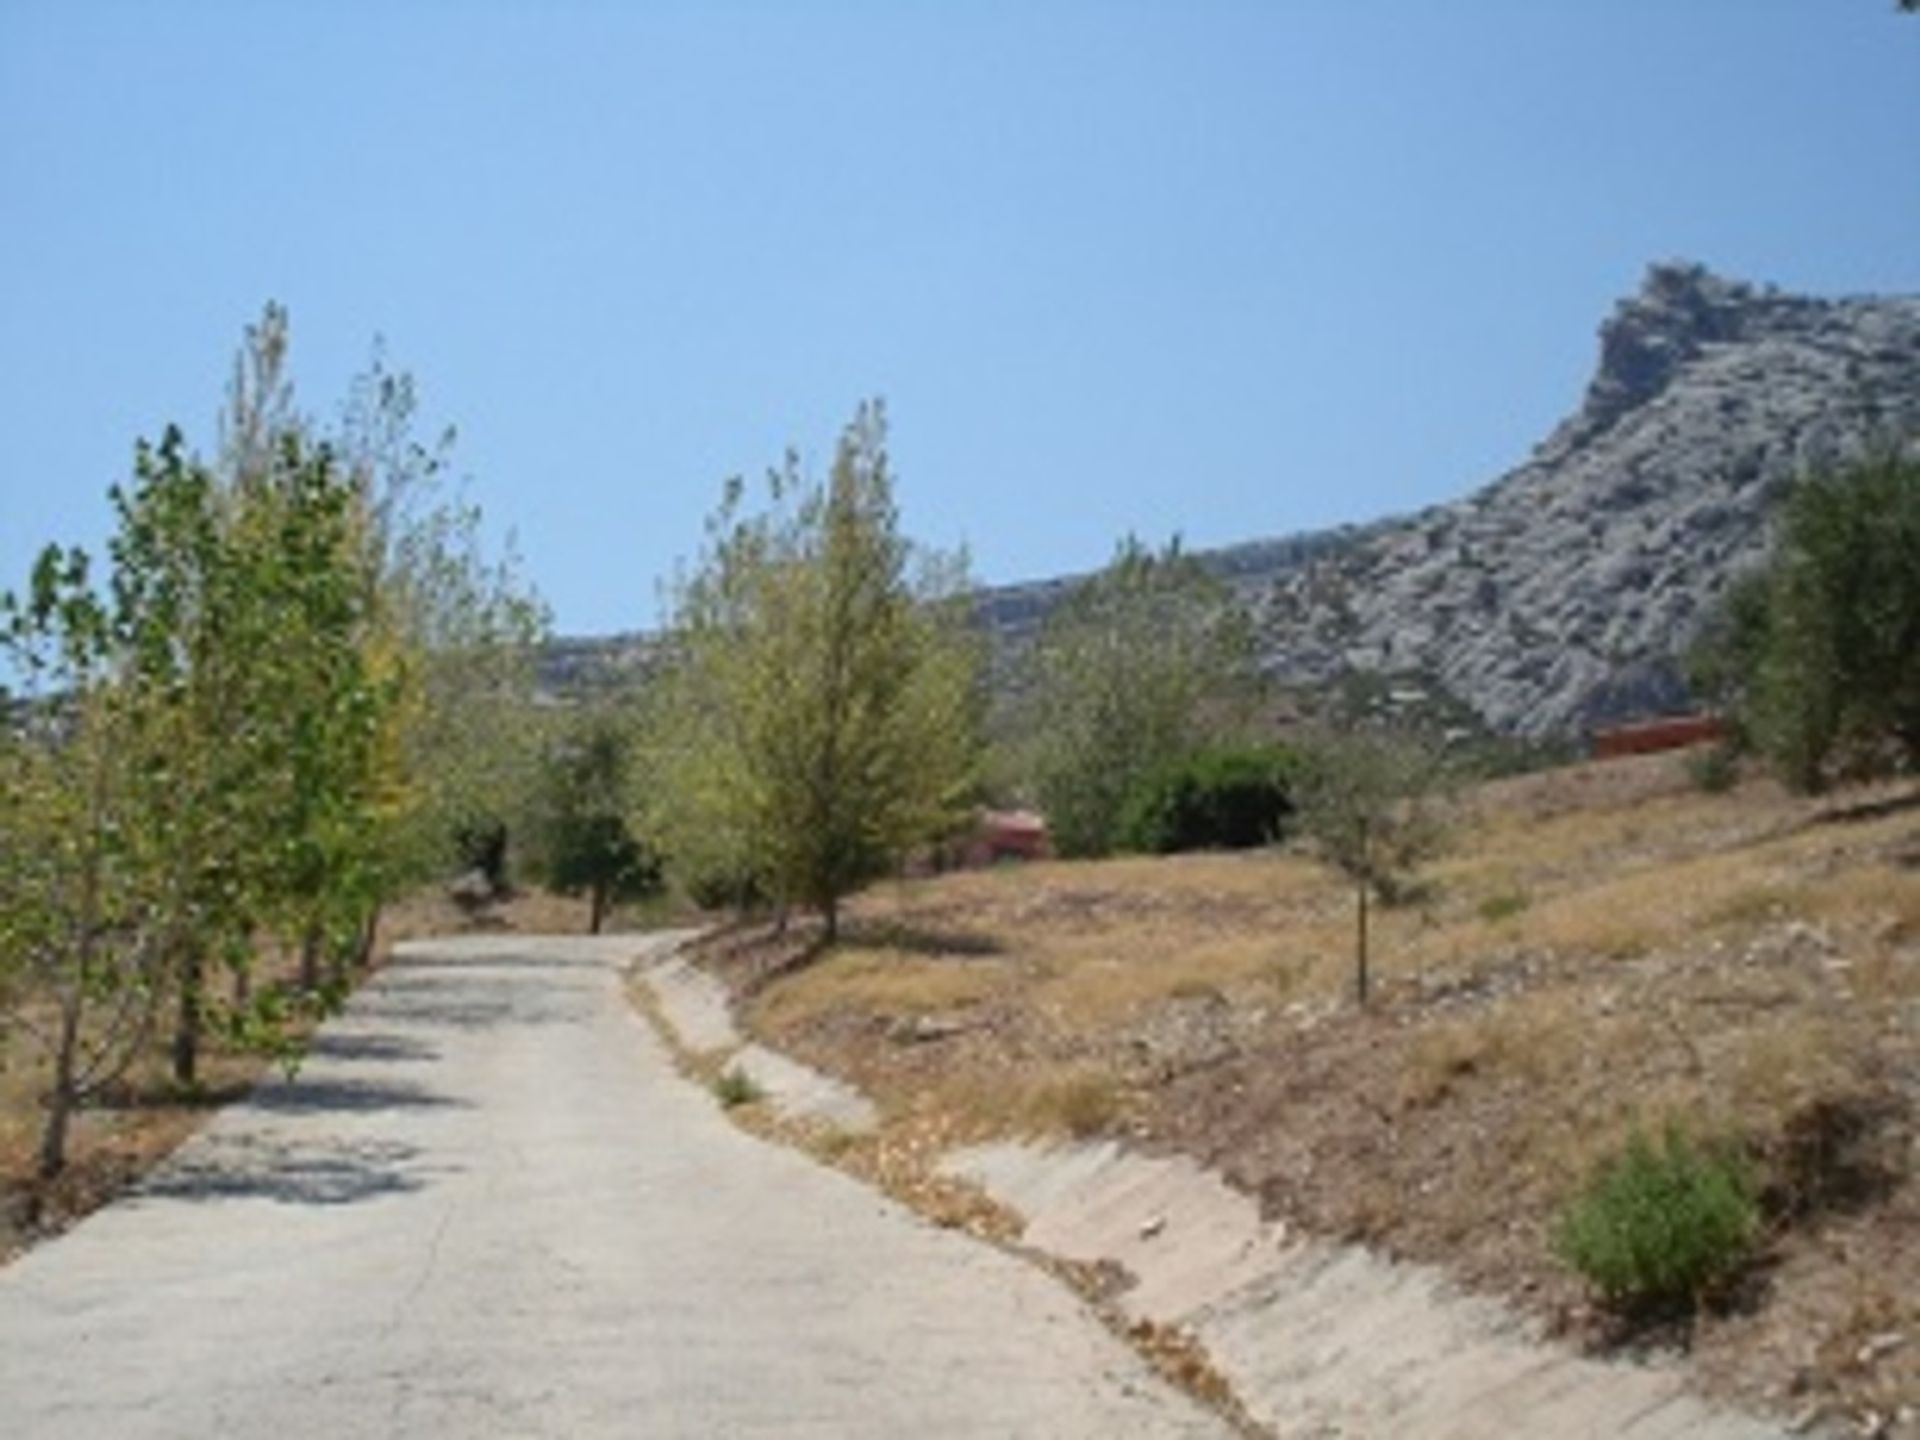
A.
pixel 333 1045
pixel 469 1002
pixel 411 962
pixel 316 1094
pixel 336 1172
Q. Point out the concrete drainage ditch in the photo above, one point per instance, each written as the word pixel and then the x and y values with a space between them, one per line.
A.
pixel 1312 1338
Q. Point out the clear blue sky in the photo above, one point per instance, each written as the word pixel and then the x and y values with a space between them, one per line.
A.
pixel 1226 269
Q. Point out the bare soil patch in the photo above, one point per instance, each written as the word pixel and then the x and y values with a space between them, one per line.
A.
pixel 1606 947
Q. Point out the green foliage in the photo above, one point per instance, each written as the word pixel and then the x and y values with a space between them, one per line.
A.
pixel 78 968
pixel 585 845
pixel 1219 798
pixel 1813 656
pixel 1143 663
pixel 467 739
pixel 229 737
pixel 819 718
pixel 735 1087
pixel 1660 1221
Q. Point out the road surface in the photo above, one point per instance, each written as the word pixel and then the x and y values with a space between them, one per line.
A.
pixel 489 1207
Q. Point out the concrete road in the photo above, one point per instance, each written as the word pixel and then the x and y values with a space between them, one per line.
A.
pixel 488 1207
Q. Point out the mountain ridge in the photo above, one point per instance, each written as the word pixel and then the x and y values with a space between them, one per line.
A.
pixel 1560 595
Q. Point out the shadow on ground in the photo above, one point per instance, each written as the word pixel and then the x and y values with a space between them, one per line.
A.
pixel 411 961
pixel 309 1095
pixel 348 1046
pixel 334 1173
pixel 470 1002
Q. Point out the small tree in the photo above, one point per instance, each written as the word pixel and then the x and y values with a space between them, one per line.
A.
pixel 1814 654
pixel 1373 807
pixel 75 912
pixel 1138 666
pixel 585 844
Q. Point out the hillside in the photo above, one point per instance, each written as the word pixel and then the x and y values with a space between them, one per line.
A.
pixel 1560 595
pixel 1603 948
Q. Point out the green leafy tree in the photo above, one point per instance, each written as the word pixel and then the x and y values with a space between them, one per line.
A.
pixel 586 845
pixel 198 651
pixel 1814 655
pixel 1140 665
pixel 79 972
pixel 822 717
pixel 1374 807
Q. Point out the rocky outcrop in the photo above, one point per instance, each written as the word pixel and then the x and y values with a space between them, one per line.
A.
pixel 1562 595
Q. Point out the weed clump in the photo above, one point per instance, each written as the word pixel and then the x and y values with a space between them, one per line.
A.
pixel 1660 1222
pixel 734 1087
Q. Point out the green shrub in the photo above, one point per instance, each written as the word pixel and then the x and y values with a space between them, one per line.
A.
pixel 1660 1221
pixel 734 1086
pixel 1225 798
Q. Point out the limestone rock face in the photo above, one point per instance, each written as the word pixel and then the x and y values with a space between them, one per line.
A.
pixel 1563 595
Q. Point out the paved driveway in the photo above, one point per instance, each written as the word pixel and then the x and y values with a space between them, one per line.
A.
pixel 488 1207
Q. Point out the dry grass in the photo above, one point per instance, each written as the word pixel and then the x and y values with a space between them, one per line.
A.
pixel 1605 947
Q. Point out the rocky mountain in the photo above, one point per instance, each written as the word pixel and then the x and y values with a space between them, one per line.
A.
pixel 1562 595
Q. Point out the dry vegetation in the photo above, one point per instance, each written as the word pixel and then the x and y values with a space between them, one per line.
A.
pixel 1605 947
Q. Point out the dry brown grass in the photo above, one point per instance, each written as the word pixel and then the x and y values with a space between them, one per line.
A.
pixel 1604 948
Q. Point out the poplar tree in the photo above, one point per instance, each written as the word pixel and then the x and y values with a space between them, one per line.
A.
pixel 823 719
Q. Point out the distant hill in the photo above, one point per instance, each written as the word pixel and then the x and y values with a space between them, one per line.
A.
pixel 1561 595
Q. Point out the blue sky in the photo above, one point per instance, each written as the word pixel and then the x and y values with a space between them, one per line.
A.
pixel 1223 269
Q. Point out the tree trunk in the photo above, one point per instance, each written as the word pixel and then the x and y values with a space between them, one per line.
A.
pixel 186 1025
pixel 60 1101
pixel 831 910
pixel 596 908
pixel 369 937
pixel 1360 948
pixel 242 987
pixel 310 959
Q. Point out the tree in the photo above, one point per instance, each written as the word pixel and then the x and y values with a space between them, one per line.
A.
pixel 78 969
pixel 1372 805
pixel 469 628
pixel 197 650
pixel 823 716
pixel 585 843
pixel 1138 666
pixel 1813 655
